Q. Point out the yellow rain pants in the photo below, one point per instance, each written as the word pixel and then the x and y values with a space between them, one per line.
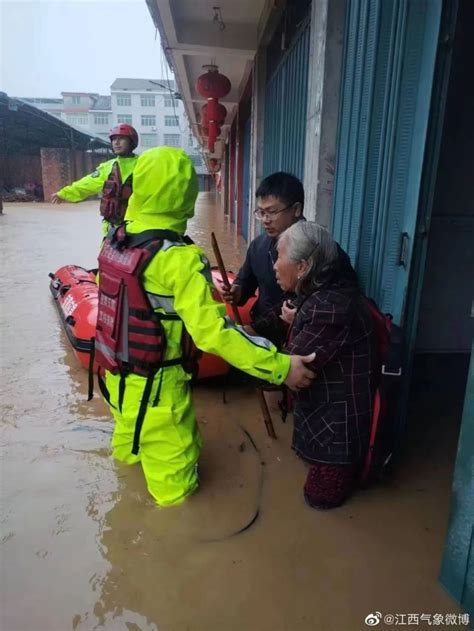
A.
pixel 170 442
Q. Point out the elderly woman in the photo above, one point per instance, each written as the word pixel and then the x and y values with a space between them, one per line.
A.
pixel 332 416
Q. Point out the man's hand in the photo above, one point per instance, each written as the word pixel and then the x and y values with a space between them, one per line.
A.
pixel 55 199
pixel 299 376
pixel 232 295
pixel 288 312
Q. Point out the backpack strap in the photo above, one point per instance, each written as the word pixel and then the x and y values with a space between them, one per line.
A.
pixel 121 392
pixel 393 362
pixel 373 435
pixel 120 238
pixel 135 240
pixel 103 389
pixel 141 414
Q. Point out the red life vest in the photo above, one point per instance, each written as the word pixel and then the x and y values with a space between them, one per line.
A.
pixel 130 337
pixel 115 196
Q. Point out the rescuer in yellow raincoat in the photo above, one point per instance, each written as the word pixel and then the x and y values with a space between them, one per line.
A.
pixel 112 178
pixel 178 281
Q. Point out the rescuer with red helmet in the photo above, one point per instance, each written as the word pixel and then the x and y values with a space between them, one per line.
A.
pixel 112 178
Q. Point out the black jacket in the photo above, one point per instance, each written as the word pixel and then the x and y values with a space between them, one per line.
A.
pixel 257 273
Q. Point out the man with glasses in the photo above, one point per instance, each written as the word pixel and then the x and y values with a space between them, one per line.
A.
pixel 280 202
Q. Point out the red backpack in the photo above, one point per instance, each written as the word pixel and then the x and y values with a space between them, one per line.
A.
pixel 389 342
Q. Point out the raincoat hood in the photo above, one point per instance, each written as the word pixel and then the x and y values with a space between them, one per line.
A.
pixel 165 188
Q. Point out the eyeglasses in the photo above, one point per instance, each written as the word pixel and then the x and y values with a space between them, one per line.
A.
pixel 271 214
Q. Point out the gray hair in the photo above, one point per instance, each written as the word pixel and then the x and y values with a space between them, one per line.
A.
pixel 308 241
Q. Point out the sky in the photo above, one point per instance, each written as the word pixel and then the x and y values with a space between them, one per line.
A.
pixel 51 46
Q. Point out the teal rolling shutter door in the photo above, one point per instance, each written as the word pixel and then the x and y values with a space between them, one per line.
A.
pixel 358 76
pixel 390 52
pixel 285 110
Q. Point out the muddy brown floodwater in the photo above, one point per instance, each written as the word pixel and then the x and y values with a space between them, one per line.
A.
pixel 83 547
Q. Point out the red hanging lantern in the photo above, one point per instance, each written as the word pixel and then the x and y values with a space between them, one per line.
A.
pixel 213 133
pixel 212 84
pixel 214 165
pixel 205 130
pixel 211 109
pixel 220 112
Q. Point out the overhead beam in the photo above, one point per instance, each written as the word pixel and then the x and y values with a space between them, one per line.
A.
pixel 212 51
pixel 166 18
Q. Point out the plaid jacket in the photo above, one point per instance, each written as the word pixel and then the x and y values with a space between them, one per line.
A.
pixel 332 417
pixel 267 321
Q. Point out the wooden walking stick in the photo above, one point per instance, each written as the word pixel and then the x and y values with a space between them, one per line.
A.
pixel 225 280
pixel 223 273
pixel 267 419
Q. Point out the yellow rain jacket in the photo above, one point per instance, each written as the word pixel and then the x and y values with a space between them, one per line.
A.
pixel 178 280
pixel 93 183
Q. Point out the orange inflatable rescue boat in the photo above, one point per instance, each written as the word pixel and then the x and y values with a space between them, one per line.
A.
pixel 76 296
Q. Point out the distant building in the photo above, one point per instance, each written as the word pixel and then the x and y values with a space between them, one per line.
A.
pixel 100 117
pixel 151 106
pixel 79 110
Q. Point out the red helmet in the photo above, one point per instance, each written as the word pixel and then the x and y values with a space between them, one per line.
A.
pixel 125 130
